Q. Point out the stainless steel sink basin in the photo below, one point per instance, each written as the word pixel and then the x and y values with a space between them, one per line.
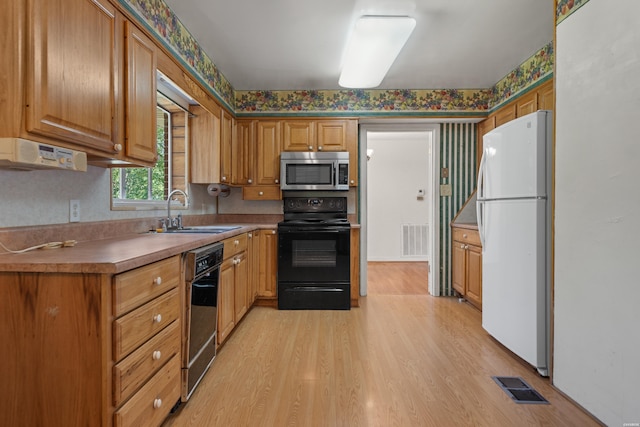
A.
pixel 211 229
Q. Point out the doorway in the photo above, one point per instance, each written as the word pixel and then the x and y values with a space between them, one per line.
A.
pixel 412 233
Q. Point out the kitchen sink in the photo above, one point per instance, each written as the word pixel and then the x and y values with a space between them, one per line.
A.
pixel 211 229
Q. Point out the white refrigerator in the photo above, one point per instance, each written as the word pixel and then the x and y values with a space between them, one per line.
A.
pixel 514 221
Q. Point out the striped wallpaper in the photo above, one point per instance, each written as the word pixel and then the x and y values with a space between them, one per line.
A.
pixel 458 154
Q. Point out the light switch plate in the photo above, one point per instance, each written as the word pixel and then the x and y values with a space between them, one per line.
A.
pixel 445 190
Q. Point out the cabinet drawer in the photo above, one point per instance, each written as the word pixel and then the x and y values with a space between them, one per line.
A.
pixel 136 287
pixel 235 245
pixel 135 369
pixel 135 328
pixel 261 192
pixel 151 405
pixel 465 235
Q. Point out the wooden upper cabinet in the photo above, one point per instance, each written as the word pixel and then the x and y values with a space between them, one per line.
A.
pixel 267 152
pixel 205 147
pixel 527 104
pixel 299 135
pixel 226 145
pixel 141 98
pixel 243 152
pixel 505 114
pixel 546 98
pixel 332 135
pixel 71 72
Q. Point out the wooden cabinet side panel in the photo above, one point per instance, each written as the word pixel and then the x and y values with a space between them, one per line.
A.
pixel 226 145
pixel 72 72
pixel 56 354
pixel 268 264
pixel 241 286
pixel 355 267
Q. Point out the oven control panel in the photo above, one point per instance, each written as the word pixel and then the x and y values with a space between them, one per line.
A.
pixel 315 204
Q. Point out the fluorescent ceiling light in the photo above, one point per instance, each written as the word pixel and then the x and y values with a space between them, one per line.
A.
pixel 374 44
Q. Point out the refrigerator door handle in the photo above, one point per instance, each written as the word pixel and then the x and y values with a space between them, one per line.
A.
pixel 481 178
pixel 480 215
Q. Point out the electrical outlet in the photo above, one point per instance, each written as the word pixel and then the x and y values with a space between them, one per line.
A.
pixel 74 210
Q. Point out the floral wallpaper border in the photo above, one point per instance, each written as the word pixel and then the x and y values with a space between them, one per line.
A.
pixel 564 8
pixel 161 20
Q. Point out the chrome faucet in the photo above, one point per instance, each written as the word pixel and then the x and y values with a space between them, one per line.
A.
pixel 175 223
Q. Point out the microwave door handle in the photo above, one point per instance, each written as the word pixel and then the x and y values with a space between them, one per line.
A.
pixel 334 175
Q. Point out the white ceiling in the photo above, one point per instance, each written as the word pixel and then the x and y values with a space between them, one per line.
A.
pixel 298 44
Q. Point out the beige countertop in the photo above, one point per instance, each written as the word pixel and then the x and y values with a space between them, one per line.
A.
pixel 115 254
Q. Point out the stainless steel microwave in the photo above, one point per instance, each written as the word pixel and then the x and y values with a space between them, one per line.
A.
pixel 314 170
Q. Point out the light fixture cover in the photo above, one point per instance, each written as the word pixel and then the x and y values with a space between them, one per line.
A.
pixel 374 44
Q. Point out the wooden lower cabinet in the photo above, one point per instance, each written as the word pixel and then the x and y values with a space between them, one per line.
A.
pixel 466 265
pixel 234 285
pixel 268 265
pixel 90 349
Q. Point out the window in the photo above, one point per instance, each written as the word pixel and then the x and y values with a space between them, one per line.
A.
pixel 148 188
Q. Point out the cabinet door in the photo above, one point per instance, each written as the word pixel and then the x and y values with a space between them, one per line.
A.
pixel 474 275
pixel 527 104
pixel 140 111
pixel 71 72
pixel 241 285
pixel 268 264
pixel 226 144
pixel 458 267
pixel 546 96
pixel 226 296
pixel 267 152
pixel 299 135
pixel 242 150
pixel 205 145
pixel 505 114
pixel 332 135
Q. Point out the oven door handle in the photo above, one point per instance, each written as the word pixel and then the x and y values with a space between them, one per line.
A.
pixel 315 289
pixel 307 229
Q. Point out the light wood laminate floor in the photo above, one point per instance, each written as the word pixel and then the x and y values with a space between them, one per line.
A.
pixel 398 360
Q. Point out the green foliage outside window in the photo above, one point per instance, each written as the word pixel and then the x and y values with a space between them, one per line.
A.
pixel 134 183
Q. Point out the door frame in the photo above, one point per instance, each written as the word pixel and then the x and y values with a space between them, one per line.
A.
pixel 432 127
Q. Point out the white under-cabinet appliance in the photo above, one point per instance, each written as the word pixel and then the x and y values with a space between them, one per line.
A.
pixel 514 221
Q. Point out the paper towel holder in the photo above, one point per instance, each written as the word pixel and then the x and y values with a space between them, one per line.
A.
pixel 218 190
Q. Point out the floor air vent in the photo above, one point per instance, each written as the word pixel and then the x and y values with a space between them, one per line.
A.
pixel 519 391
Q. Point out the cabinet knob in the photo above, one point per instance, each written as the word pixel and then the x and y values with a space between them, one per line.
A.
pixel 353 182
pixel 462 246
pixel 277 181
pixel 117 147
pixel 157 403
pixel 260 193
pixel 157 318
pixel 157 355
pixel 310 148
pixel 273 231
pixel 236 242
pixel 157 281
pixel 249 180
pixel 319 148
pixel 250 235
pixel 224 178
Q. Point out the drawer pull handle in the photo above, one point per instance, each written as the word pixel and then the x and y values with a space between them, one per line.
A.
pixel 236 242
pixel 157 281
pixel 157 318
pixel 157 355
pixel 157 403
